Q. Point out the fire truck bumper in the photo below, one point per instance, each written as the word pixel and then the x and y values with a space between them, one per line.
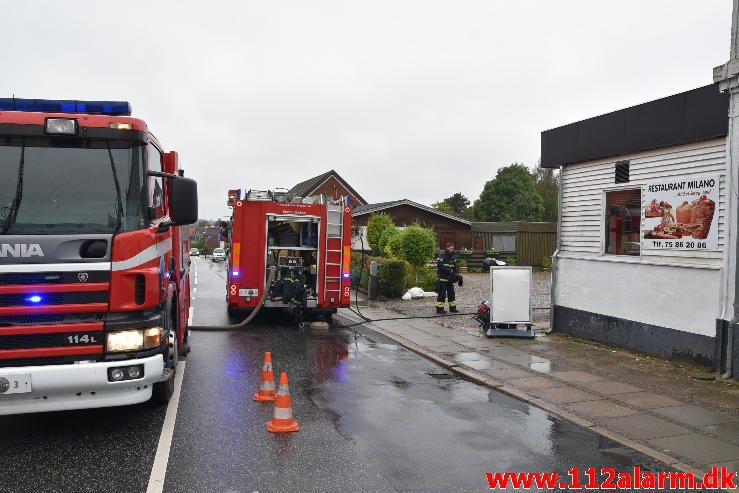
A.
pixel 77 386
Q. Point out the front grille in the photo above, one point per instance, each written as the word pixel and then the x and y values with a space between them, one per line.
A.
pixel 30 341
pixel 23 278
pixel 36 295
pixel 54 298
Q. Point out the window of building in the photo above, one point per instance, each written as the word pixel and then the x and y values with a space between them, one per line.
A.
pixel 504 242
pixel 622 172
pixel 623 222
pixel 156 183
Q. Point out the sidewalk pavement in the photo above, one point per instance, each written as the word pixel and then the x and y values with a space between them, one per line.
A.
pixel 651 406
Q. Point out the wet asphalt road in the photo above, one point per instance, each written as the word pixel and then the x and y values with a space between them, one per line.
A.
pixel 373 416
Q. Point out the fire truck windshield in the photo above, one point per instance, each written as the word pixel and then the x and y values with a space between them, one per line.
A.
pixel 90 187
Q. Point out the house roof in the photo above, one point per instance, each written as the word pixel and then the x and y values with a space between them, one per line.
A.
pixel 305 188
pixel 362 210
pixel 682 118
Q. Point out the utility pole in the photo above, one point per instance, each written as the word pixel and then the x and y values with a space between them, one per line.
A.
pixel 727 76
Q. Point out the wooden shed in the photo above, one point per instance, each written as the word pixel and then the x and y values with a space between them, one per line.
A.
pixel 528 242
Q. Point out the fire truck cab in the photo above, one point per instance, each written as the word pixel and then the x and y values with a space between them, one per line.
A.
pixel 94 266
pixel 306 240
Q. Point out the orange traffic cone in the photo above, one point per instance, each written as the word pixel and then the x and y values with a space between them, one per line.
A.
pixel 282 419
pixel 266 392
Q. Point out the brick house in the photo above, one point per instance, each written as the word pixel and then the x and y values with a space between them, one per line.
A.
pixel 330 184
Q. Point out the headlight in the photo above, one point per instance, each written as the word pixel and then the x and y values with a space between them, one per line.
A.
pixel 134 340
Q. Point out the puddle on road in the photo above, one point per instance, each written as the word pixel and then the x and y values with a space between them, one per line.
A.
pixel 381 386
pixel 399 382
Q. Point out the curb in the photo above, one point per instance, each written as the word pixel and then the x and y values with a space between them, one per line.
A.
pixel 487 381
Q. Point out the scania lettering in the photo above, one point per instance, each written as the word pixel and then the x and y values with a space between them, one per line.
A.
pixel 94 279
pixel 21 250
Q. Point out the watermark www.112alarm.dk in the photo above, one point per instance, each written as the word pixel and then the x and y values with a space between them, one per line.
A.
pixel 718 478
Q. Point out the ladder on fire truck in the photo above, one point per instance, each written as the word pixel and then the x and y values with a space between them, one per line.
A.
pixel 334 252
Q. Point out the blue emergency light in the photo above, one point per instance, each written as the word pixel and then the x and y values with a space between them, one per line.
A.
pixel 35 299
pixel 112 108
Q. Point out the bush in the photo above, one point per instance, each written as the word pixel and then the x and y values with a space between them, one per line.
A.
pixel 462 263
pixel 510 260
pixel 546 262
pixel 385 238
pixel 426 278
pixel 418 245
pixel 393 277
pixel 376 224
pixel 395 246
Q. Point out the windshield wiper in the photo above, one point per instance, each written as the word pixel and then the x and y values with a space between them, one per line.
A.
pixel 119 203
pixel 13 211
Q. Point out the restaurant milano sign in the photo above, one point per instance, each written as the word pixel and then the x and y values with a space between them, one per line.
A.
pixel 681 214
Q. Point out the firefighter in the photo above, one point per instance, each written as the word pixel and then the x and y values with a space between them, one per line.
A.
pixel 447 273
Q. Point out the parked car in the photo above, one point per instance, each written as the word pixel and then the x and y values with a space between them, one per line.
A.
pixel 194 252
pixel 219 255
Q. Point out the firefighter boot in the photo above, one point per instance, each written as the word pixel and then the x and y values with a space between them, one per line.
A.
pixel 440 309
pixel 453 308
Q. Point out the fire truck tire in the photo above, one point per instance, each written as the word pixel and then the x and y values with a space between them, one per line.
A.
pixel 163 391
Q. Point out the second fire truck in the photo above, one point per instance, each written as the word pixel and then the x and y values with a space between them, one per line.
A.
pixel 305 241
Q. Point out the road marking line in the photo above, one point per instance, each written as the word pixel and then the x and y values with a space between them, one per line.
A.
pixel 189 318
pixel 196 281
pixel 194 289
pixel 159 468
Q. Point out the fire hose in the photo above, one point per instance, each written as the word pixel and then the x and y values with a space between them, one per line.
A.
pixel 250 317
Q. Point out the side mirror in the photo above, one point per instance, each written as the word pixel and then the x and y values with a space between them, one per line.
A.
pixel 183 201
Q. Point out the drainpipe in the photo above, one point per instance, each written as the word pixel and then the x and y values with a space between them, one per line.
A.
pixel 727 76
pixel 555 255
pixel 732 243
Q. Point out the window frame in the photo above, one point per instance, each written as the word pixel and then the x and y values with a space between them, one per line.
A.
pixel 604 220
pixel 155 213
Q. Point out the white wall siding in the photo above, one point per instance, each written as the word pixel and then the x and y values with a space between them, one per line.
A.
pixel 584 184
pixel 680 298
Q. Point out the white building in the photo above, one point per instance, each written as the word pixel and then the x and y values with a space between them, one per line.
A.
pixel 644 255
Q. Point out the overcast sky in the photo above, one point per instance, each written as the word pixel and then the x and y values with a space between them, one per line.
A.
pixel 405 99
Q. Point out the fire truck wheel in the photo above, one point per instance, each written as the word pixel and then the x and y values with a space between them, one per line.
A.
pixel 163 391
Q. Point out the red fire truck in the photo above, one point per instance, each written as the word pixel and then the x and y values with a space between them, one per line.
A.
pixel 307 240
pixel 94 286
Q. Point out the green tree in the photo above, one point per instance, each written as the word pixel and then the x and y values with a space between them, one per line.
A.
pixel 443 207
pixel 510 196
pixel 418 245
pixel 457 205
pixel 547 185
pixel 458 202
pixel 376 224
